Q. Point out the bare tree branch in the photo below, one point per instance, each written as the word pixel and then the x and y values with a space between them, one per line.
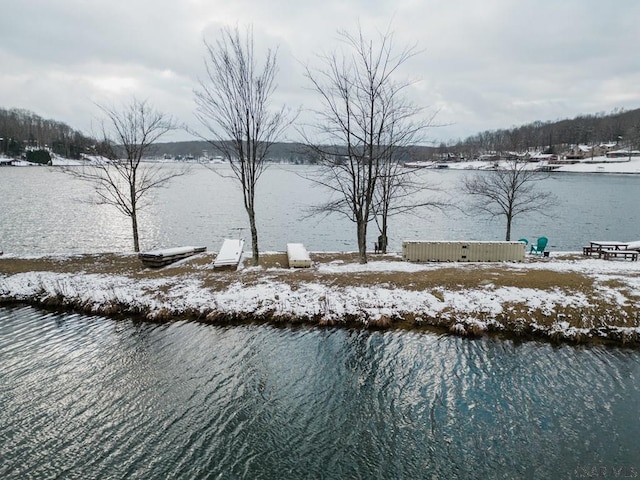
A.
pixel 233 105
pixel 120 178
pixel 360 130
pixel 508 191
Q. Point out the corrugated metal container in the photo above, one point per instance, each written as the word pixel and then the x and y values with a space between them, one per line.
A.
pixel 428 251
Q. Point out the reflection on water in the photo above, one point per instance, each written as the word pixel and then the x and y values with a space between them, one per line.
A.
pixel 87 397
pixel 40 212
pixel 44 211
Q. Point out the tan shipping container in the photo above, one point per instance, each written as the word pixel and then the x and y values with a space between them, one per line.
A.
pixel 431 251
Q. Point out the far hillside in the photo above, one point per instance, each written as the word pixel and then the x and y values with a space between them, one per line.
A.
pixel 278 152
pixel 22 131
pixel 621 128
pixel 555 137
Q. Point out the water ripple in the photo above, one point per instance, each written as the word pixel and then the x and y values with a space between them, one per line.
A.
pixel 87 397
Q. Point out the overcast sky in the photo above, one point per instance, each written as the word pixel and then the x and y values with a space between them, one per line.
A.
pixel 484 64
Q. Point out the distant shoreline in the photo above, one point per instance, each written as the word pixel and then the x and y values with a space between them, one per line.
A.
pixel 596 165
pixel 565 298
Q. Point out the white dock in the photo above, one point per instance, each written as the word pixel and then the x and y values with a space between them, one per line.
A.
pixel 298 256
pixel 230 253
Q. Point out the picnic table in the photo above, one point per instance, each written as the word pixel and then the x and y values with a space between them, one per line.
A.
pixel 630 254
pixel 610 249
pixel 598 246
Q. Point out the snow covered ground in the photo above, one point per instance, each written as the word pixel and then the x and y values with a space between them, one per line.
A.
pixel 598 164
pixel 604 165
pixel 607 307
pixel 587 165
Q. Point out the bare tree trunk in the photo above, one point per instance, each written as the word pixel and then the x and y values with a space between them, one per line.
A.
pixel 508 235
pixel 134 208
pixel 134 225
pixel 362 241
pixel 383 235
pixel 254 238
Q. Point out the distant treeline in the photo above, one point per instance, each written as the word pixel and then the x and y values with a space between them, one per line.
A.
pixel 619 126
pixel 295 153
pixel 22 131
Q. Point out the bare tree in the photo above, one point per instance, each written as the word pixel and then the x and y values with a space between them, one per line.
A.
pixel 363 121
pixel 233 105
pixel 397 189
pixel 122 179
pixel 632 136
pixel 397 185
pixel 508 191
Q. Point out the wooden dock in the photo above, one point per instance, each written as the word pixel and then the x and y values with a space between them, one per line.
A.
pixel 161 258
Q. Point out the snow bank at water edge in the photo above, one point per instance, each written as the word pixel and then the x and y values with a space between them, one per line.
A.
pixel 588 165
pixel 599 303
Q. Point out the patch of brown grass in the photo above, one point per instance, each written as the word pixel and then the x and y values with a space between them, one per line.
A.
pixel 274 266
pixel 517 318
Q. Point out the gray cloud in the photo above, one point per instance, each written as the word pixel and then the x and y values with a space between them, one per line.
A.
pixel 482 65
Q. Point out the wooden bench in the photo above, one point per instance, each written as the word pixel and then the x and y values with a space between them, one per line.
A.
pixel 609 254
pixel 589 250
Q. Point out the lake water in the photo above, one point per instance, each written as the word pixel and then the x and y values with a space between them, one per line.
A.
pixel 90 397
pixel 44 211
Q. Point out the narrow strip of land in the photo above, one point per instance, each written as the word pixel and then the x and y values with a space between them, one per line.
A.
pixel 567 297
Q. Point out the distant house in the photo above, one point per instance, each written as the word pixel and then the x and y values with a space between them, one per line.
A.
pixel 623 153
pixel 489 157
pixel 515 156
pixel 578 152
pixel 543 157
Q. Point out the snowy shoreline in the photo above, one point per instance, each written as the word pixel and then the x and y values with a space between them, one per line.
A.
pixel 580 299
pixel 601 164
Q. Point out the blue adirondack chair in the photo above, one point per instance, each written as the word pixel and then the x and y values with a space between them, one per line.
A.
pixel 524 240
pixel 538 248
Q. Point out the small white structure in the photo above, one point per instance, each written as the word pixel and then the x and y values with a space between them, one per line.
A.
pixel 298 256
pixel 230 253
pixel 427 251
